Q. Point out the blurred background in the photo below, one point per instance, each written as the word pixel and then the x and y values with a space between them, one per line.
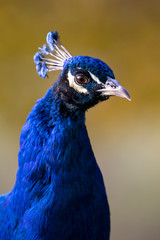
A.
pixel 125 135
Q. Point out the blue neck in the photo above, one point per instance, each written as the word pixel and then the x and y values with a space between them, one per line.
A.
pixel 59 174
pixel 53 142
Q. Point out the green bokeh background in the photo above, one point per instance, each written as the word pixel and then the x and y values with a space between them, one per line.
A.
pixel 125 135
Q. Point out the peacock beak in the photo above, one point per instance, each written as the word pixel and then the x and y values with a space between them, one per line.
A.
pixel 113 88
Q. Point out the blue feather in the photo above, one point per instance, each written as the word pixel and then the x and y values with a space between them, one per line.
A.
pixel 59 193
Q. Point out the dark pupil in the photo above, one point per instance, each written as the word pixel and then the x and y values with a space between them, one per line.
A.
pixel 81 79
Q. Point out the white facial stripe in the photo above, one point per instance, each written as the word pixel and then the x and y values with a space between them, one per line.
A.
pixel 96 79
pixel 76 87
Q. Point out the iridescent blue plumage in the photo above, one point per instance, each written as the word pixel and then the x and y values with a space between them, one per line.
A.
pixel 93 65
pixel 59 192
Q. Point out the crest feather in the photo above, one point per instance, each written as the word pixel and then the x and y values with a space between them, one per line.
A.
pixel 51 56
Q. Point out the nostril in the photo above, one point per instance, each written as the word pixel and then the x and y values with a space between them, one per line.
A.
pixel 112 85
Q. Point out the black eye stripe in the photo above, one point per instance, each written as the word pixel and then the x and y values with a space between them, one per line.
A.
pixel 81 71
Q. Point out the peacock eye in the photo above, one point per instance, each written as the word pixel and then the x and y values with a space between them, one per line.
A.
pixel 81 79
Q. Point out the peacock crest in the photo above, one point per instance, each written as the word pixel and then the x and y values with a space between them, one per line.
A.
pixel 51 56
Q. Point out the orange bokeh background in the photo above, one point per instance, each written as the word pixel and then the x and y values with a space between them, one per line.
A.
pixel 125 135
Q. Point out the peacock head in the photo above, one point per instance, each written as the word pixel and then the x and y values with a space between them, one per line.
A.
pixel 84 81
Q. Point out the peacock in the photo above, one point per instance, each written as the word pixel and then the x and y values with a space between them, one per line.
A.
pixel 59 193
